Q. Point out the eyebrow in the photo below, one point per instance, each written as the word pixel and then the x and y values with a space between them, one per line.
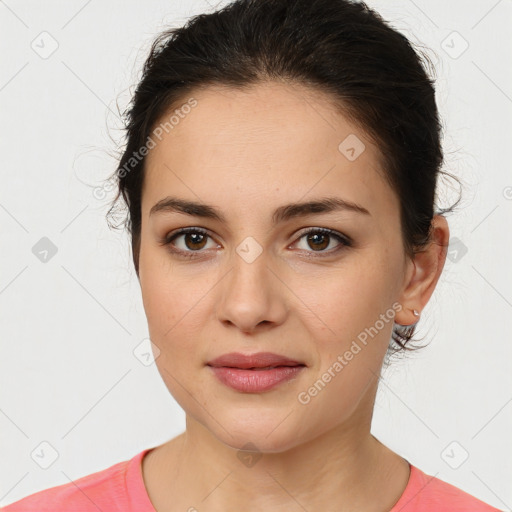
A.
pixel 281 214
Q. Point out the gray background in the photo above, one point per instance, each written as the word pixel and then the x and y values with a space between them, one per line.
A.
pixel 77 393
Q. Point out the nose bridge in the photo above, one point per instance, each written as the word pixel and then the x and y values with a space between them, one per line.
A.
pixel 252 293
pixel 250 272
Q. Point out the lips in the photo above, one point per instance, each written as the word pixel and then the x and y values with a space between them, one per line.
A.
pixel 259 361
pixel 255 373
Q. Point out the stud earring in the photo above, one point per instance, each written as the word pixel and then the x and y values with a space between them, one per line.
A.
pixel 415 313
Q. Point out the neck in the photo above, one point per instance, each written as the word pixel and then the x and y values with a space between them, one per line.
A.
pixel 346 466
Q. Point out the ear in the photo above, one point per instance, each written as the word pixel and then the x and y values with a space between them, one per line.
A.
pixel 423 273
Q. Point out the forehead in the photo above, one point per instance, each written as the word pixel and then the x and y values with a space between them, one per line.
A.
pixel 269 141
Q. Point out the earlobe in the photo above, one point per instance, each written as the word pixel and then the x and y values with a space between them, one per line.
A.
pixel 428 265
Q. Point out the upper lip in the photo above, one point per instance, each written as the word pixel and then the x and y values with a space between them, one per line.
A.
pixel 258 360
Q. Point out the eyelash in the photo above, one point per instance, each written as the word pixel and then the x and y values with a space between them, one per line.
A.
pixel 166 241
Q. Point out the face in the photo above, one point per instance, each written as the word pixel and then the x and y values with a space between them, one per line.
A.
pixel 253 274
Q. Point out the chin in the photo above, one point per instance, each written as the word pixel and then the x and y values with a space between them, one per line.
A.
pixel 259 443
pixel 258 433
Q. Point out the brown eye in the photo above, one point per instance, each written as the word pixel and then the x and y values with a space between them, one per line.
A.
pixel 320 239
pixel 194 241
pixel 187 241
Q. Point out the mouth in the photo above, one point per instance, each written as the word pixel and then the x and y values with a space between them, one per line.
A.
pixel 257 368
pixel 255 373
pixel 258 361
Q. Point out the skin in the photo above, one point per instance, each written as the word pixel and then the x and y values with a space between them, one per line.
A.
pixel 247 153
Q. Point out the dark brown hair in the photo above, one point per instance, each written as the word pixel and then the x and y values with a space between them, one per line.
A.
pixel 340 48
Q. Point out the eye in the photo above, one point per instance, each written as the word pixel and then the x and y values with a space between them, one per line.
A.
pixel 189 240
pixel 319 239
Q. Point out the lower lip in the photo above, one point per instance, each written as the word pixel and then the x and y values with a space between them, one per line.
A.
pixel 255 381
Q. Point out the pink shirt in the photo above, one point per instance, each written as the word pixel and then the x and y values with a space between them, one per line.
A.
pixel 120 488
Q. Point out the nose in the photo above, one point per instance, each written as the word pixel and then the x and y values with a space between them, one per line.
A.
pixel 252 297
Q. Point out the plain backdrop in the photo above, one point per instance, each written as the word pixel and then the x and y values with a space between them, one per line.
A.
pixel 76 393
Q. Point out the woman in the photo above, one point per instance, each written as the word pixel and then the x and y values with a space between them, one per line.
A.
pixel 280 175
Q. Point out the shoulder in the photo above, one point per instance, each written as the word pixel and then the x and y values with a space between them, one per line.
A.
pixel 426 493
pixel 103 490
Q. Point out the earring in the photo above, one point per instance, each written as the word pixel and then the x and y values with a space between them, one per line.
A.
pixel 402 331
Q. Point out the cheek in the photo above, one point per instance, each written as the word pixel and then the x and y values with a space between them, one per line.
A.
pixel 350 341
pixel 336 401
pixel 350 330
pixel 342 304
pixel 173 308
pixel 162 306
pixel 175 301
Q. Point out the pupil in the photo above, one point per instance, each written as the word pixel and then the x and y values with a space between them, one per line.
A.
pixel 193 237
pixel 315 238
